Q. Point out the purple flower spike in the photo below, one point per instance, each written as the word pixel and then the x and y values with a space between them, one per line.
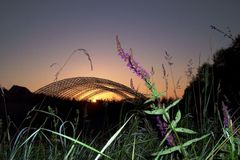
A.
pixel 132 64
pixel 226 117
pixel 162 126
pixel 121 53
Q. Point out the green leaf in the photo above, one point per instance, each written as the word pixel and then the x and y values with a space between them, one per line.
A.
pixel 175 148
pixel 185 130
pixel 158 111
pixel 173 104
pixel 167 151
pixel 194 140
pixel 166 116
pixel 178 116
pixel 149 100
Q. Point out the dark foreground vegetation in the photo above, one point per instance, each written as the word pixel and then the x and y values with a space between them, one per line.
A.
pixel 26 109
pixel 204 124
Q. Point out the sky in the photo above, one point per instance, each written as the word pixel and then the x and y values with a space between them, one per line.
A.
pixel 36 34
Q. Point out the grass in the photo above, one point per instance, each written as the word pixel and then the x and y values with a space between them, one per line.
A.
pixel 44 143
pixel 162 131
pixel 136 137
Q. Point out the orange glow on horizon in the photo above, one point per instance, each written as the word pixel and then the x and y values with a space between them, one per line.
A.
pixel 105 96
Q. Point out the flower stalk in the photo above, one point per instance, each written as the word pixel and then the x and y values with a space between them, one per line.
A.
pixel 144 75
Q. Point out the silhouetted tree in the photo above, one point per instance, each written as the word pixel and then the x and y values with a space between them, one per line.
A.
pixel 227 69
pixel 215 83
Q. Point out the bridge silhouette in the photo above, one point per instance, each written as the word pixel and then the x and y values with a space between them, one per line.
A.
pixel 84 88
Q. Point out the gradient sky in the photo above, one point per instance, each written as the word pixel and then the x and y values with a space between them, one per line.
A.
pixel 35 34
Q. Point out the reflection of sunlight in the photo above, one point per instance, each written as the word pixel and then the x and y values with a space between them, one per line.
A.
pixel 105 96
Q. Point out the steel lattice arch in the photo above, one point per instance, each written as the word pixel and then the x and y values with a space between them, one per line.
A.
pixel 84 88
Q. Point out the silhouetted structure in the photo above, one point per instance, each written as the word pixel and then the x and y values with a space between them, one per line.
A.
pixel 21 108
pixel 83 88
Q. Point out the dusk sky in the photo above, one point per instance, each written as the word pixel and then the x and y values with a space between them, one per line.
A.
pixel 36 34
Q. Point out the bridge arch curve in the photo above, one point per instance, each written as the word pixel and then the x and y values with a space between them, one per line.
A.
pixel 84 88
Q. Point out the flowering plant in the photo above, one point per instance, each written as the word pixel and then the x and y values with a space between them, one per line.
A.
pixel 166 126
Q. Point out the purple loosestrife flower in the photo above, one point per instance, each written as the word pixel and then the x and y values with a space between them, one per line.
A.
pixel 143 74
pixel 226 117
pixel 121 53
pixel 162 126
pixel 132 64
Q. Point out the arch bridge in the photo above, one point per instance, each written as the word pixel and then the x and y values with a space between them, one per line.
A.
pixel 84 88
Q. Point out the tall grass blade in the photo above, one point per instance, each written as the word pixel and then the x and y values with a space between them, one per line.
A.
pixel 78 142
pixel 134 145
pixel 32 135
pixel 112 138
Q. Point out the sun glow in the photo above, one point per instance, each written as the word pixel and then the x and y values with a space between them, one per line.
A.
pixel 105 96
